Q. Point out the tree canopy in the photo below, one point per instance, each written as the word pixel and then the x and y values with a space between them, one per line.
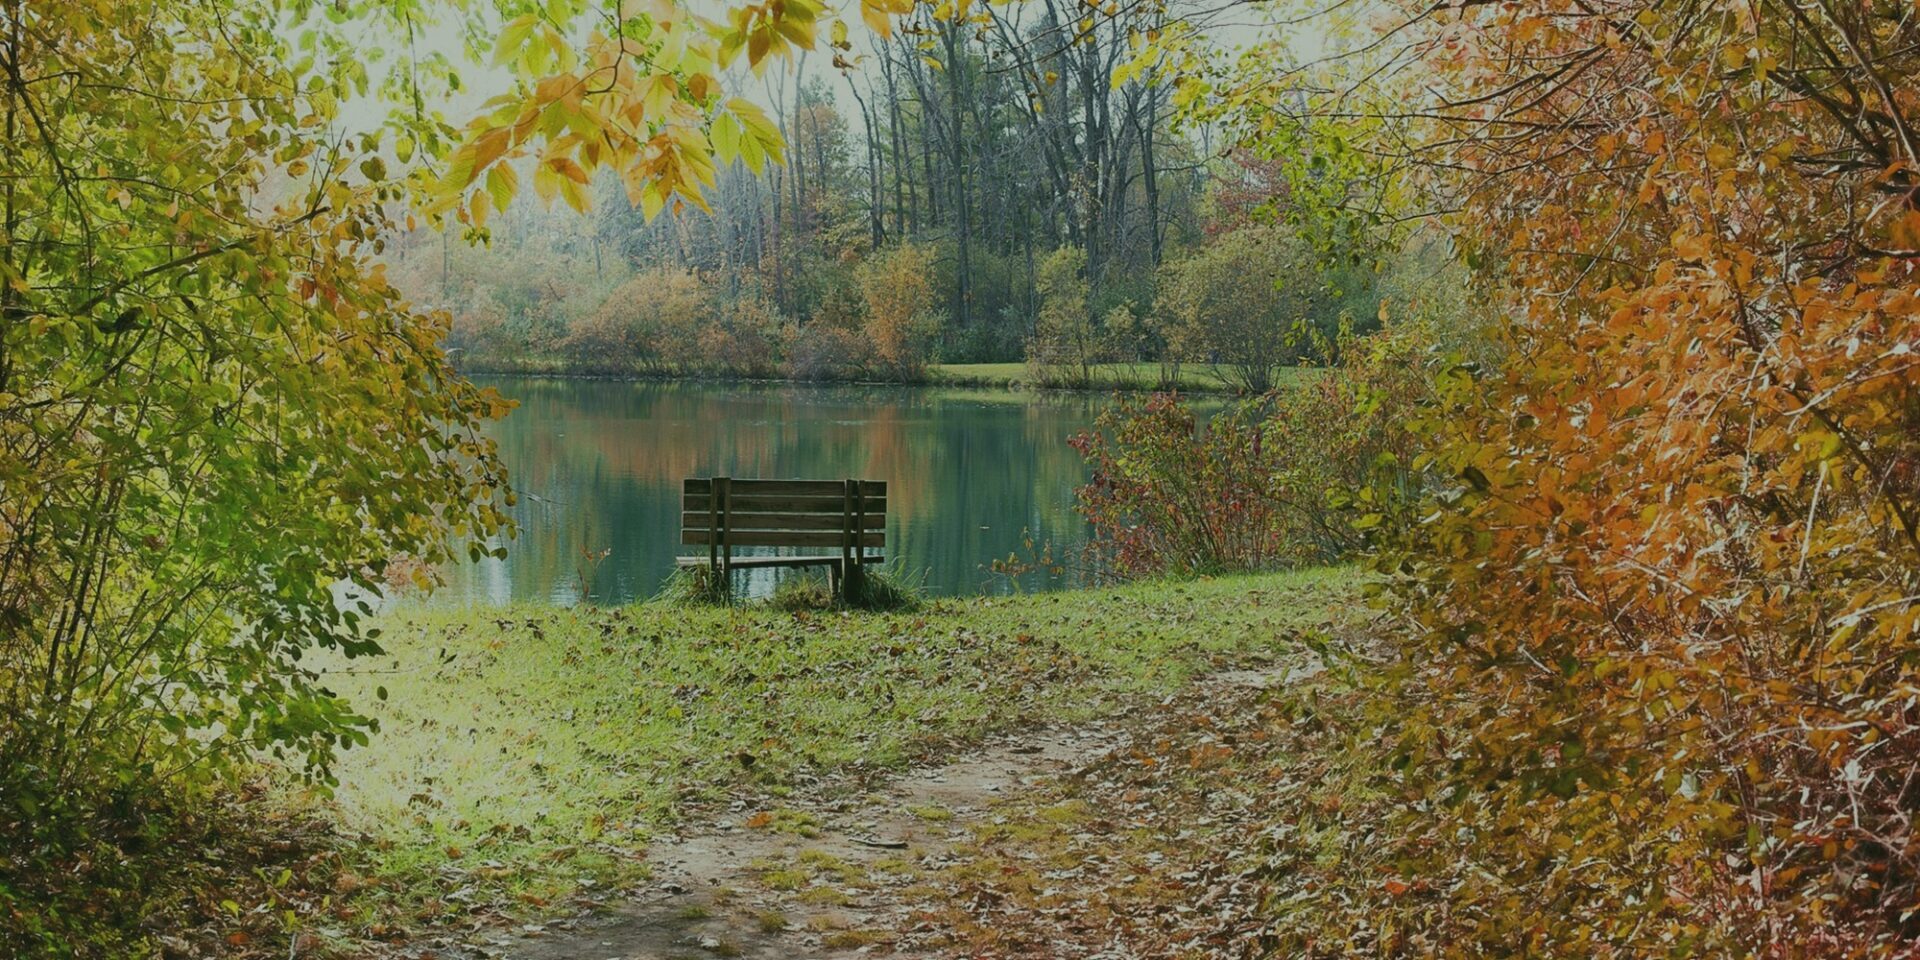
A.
pixel 216 414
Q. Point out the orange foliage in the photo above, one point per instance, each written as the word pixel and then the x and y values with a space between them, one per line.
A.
pixel 1665 697
pixel 898 287
pixel 652 323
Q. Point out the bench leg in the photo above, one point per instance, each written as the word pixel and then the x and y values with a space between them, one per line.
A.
pixel 853 580
pixel 719 582
pixel 834 580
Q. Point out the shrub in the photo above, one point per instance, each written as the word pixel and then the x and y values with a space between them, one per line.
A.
pixel 1662 692
pixel 878 589
pixel 650 323
pixel 817 351
pixel 740 338
pixel 993 337
pixel 805 591
pixel 832 344
pixel 477 336
pixel 1250 303
pixel 901 317
pixel 1296 476
pixel 1066 341
pixel 698 585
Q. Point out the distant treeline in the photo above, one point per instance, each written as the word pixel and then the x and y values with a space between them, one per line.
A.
pixel 996 199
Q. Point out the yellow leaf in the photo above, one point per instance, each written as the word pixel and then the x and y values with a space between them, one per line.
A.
pixel 876 18
pixel 566 167
pixel 574 193
pixel 651 202
pixel 546 182
pixel 513 36
pixel 725 135
pixel 487 148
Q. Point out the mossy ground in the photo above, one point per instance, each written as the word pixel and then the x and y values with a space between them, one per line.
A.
pixel 527 751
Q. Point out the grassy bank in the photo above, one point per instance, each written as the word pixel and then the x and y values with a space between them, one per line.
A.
pixel 1106 376
pixel 526 750
pixel 1127 377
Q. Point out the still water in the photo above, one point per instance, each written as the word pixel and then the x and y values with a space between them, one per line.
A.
pixel 971 475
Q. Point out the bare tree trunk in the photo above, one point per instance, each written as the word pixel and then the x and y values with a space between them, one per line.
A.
pixel 956 152
pixel 795 152
pixel 1150 177
pixel 876 225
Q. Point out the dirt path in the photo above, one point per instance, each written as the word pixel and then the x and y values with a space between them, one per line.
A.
pixel 824 876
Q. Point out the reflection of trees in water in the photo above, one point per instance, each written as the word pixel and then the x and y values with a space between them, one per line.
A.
pixel 601 463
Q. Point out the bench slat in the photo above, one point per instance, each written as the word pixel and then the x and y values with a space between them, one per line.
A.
pixel 697 503
pixel 784 488
pixel 780 538
pixel 697 520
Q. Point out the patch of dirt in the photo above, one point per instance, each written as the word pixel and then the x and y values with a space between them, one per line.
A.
pixel 846 869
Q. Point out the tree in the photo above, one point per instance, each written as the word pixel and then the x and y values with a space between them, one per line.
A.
pixel 1659 694
pixel 1002 136
pixel 901 317
pixel 215 412
pixel 1065 332
pixel 1250 303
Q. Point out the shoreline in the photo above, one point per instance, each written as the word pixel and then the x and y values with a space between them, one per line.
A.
pixel 937 376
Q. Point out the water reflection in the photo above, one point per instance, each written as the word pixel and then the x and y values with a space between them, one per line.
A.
pixel 599 465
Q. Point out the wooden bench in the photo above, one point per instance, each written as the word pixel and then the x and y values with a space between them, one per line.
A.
pixel 846 516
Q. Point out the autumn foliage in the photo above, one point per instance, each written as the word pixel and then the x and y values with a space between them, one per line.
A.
pixel 219 425
pixel 900 318
pixel 1663 696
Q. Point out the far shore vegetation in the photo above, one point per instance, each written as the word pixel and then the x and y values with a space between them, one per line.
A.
pixel 1101 377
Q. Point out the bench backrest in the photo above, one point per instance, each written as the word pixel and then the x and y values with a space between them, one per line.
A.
pixel 842 514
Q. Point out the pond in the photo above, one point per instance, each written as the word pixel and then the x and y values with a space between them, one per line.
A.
pixel 971 476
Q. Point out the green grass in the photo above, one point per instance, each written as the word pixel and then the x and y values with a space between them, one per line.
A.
pixel 1197 378
pixel 931 813
pixel 1193 378
pixel 546 744
pixel 1107 376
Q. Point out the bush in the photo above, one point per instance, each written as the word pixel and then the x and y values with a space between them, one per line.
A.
pixel 806 591
pixel 1661 691
pixel 1066 340
pixel 901 317
pixel 740 338
pixel 818 351
pixel 1251 302
pixel 650 324
pixel 872 588
pixel 1297 476
pixel 698 585
pixel 881 590
pixel 477 336
pixel 993 337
